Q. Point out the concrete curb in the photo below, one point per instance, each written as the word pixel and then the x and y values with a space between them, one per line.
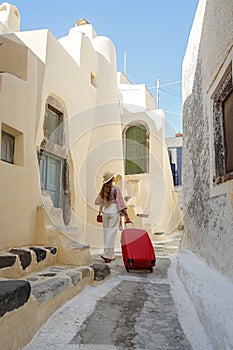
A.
pixel 212 295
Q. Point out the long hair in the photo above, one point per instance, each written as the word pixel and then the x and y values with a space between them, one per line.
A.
pixel 106 192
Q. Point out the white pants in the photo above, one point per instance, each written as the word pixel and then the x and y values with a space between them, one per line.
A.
pixel 110 227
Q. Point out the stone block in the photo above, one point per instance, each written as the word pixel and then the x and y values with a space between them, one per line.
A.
pixel 24 256
pixel 48 274
pixel 75 276
pixel 13 294
pixel 48 289
pixel 7 261
pixel 101 271
pixel 53 250
pixel 85 271
pixel 40 253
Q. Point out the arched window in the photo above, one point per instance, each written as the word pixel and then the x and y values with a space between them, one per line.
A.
pixel 136 149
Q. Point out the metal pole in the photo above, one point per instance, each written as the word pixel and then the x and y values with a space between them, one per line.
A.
pixel 157 99
pixel 125 63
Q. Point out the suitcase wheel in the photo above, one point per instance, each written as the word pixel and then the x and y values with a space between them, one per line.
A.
pixel 127 269
pixel 151 269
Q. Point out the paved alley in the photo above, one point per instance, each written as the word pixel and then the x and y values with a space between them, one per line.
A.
pixel 134 310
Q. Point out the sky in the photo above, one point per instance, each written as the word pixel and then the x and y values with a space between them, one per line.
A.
pixel 151 34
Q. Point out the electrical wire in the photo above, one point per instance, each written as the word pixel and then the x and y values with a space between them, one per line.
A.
pixel 170 93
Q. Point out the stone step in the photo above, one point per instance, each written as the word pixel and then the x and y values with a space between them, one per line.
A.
pixel 36 296
pixel 48 283
pixel 18 262
pixel 41 286
pixel 27 303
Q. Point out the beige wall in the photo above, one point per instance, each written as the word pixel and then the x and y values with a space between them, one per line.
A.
pixel 57 77
pixel 20 192
pixel 79 71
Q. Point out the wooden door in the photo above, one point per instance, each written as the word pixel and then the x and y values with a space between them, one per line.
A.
pixel 50 177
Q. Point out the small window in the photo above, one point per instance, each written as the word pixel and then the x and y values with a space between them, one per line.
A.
pixel 7 147
pixel 54 120
pixel 93 80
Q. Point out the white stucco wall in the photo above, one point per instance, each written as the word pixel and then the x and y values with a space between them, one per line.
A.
pixel 208 207
pixel 9 17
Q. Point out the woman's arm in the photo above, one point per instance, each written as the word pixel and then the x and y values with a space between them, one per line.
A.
pixel 120 201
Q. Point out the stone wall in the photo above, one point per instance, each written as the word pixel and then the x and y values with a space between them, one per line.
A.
pixel 207 207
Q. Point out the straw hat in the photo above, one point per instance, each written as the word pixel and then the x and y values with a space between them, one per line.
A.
pixel 108 175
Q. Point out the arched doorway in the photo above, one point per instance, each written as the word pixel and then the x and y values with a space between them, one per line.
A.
pixel 53 161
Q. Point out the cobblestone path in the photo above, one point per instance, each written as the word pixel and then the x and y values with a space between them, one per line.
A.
pixel 134 316
pixel 128 311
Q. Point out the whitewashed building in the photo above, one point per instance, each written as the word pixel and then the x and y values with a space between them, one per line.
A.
pixel 208 166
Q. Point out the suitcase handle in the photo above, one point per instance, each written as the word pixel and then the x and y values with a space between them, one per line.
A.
pixel 124 224
pixel 130 222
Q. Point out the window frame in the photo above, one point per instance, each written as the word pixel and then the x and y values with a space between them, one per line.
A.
pixel 10 138
pixel 177 173
pixel 218 184
pixel 142 125
pixel 228 140
pixel 18 156
pixel 59 116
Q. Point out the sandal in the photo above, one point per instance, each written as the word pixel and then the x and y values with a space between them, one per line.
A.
pixel 106 259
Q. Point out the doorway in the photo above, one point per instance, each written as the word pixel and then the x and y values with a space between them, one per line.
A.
pixel 50 177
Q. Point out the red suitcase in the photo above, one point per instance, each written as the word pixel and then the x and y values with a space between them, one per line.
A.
pixel 137 250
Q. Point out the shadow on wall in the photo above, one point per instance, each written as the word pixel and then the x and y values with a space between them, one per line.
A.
pixel 202 223
pixel 193 165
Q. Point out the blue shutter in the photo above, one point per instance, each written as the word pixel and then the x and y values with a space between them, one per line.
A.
pixel 136 150
pixel 179 166
pixel 50 177
pixel 43 171
pixel 53 179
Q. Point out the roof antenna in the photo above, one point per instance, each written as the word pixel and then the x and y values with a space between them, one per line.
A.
pixel 125 62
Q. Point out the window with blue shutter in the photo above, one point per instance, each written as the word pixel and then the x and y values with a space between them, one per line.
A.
pixel 136 150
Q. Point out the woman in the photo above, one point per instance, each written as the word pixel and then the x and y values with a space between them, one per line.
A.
pixel 112 206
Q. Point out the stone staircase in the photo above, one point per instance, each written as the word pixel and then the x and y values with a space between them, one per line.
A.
pixel 34 284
